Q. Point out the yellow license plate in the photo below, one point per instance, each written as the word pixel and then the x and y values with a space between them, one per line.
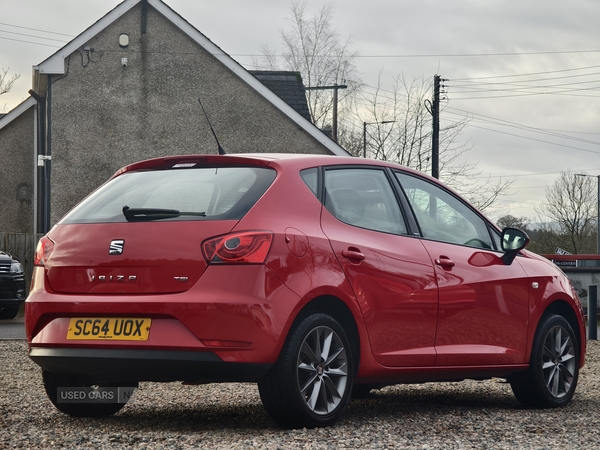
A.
pixel 109 328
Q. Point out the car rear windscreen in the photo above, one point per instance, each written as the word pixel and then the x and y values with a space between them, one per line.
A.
pixel 206 193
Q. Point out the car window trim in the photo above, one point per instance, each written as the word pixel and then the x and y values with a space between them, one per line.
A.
pixel 489 225
pixel 409 216
pixel 408 221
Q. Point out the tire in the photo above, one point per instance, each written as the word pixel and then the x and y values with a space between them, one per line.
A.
pixel 9 312
pixel 53 381
pixel 553 372
pixel 310 384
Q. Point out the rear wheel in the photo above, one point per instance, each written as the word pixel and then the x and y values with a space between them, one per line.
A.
pixel 91 404
pixel 311 382
pixel 553 370
pixel 9 312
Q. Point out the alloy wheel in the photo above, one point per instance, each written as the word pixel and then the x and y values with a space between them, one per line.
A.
pixel 558 362
pixel 322 370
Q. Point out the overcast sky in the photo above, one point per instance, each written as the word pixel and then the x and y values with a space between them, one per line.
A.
pixel 526 73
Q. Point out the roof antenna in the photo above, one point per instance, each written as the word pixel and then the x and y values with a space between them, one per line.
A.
pixel 221 151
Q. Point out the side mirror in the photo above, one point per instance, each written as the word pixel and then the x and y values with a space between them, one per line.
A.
pixel 513 241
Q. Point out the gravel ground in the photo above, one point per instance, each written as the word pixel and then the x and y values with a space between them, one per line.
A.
pixel 464 415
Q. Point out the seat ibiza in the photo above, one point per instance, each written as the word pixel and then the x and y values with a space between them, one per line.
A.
pixel 317 277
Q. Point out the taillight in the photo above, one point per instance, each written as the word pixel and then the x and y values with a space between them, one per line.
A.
pixel 248 247
pixel 43 251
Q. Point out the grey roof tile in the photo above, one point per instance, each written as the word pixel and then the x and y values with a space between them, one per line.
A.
pixel 287 86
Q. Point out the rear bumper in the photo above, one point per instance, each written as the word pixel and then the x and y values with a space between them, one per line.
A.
pixel 243 322
pixel 145 365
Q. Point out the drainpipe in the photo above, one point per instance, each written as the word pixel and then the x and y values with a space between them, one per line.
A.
pixel 48 158
pixel 35 170
pixel 40 133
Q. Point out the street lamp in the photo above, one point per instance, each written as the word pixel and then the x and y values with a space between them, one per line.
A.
pixel 598 218
pixel 365 133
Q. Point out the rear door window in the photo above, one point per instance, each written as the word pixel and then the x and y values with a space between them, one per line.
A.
pixel 363 198
pixel 194 193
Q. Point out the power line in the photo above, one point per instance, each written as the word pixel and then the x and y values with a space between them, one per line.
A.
pixel 526 74
pixel 523 83
pixel 29 42
pixel 33 36
pixel 502 122
pixel 442 55
pixel 36 29
pixel 533 174
pixel 529 94
pixel 537 140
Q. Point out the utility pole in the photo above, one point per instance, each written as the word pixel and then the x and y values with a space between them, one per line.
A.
pixel 335 104
pixel 334 124
pixel 435 139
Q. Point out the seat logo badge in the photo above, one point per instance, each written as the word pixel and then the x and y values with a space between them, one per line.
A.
pixel 116 247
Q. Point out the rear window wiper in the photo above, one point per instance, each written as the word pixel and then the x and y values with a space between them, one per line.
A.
pixel 145 214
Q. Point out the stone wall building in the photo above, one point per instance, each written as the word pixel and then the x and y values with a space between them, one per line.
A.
pixel 128 89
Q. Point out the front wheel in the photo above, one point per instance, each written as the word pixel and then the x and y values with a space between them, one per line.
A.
pixel 553 370
pixel 310 384
pixel 78 396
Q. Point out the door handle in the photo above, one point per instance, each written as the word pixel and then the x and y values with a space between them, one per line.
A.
pixel 353 254
pixel 444 261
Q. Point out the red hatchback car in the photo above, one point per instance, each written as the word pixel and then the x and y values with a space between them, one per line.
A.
pixel 318 277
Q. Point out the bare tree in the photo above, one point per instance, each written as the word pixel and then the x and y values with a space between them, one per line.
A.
pixel 400 131
pixel 350 138
pixel 571 206
pixel 6 82
pixel 312 47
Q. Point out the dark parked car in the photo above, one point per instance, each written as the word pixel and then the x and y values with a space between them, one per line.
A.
pixel 315 276
pixel 12 286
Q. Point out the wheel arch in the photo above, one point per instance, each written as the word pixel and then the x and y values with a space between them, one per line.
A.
pixel 337 309
pixel 565 310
